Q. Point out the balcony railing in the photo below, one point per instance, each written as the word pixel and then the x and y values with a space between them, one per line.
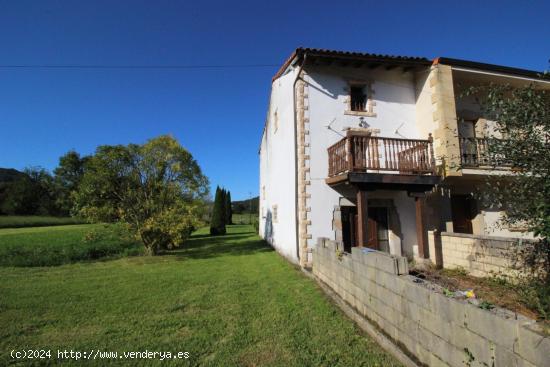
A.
pixel 474 152
pixel 362 153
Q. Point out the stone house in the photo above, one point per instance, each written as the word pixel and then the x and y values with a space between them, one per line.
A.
pixel 378 151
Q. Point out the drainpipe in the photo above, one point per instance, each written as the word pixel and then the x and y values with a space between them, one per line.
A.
pixel 296 158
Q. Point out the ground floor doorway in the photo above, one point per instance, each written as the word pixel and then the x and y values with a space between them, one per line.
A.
pixel 378 237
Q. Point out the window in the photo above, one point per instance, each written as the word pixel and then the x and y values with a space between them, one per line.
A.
pixel 275 121
pixel 468 142
pixel 274 215
pixel 359 101
pixel 358 98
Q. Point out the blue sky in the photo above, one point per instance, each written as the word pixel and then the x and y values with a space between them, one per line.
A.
pixel 217 114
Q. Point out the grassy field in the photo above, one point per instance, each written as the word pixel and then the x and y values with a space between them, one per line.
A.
pixel 49 246
pixel 226 301
pixel 19 221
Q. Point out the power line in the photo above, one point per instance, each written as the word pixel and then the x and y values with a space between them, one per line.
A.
pixel 136 67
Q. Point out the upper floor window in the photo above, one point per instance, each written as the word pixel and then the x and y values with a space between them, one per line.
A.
pixel 359 101
pixel 275 121
pixel 358 98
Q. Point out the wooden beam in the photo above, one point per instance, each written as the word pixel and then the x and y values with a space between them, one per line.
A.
pixel 362 218
pixel 421 235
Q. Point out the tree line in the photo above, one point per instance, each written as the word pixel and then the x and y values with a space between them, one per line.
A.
pixel 35 191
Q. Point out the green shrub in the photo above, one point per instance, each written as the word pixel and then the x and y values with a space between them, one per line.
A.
pixel 535 294
pixel 169 229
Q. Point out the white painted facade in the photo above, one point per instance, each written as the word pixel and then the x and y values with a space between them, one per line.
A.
pixel 394 97
pixel 277 170
pixel 395 109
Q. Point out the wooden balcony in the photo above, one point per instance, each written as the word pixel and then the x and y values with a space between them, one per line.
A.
pixel 361 163
pixel 474 153
pixel 359 152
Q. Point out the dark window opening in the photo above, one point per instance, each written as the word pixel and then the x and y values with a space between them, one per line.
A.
pixel 377 236
pixel 358 98
pixel 349 220
pixel 462 211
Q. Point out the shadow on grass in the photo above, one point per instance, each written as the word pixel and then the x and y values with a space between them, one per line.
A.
pixel 203 246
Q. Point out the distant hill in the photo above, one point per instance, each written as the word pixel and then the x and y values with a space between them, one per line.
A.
pixel 246 206
pixel 10 174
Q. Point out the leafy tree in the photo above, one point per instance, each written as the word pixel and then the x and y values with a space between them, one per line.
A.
pixel 157 189
pixel 20 197
pixel 521 119
pixel 224 205
pixel 228 210
pixel 32 193
pixel 217 222
pixel 246 206
pixel 68 175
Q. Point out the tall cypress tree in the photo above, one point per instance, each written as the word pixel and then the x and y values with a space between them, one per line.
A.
pixel 217 224
pixel 224 202
pixel 228 209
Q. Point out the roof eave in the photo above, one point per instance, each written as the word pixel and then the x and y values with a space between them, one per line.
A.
pixel 507 70
pixel 299 53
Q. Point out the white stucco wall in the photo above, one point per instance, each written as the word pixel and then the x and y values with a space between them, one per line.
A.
pixel 277 167
pixel 425 108
pixel 494 226
pixel 394 95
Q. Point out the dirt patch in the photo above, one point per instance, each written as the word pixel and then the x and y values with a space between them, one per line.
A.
pixel 488 292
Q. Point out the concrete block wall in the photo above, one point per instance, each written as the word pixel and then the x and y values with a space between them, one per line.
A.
pixel 431 328
pixel 481 256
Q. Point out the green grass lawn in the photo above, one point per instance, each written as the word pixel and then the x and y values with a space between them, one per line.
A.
pixel 19 221
pixel 49 246
pixel 227 301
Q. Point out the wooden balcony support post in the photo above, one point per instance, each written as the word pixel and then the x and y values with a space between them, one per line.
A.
pixel 421 234
pixel 362 218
